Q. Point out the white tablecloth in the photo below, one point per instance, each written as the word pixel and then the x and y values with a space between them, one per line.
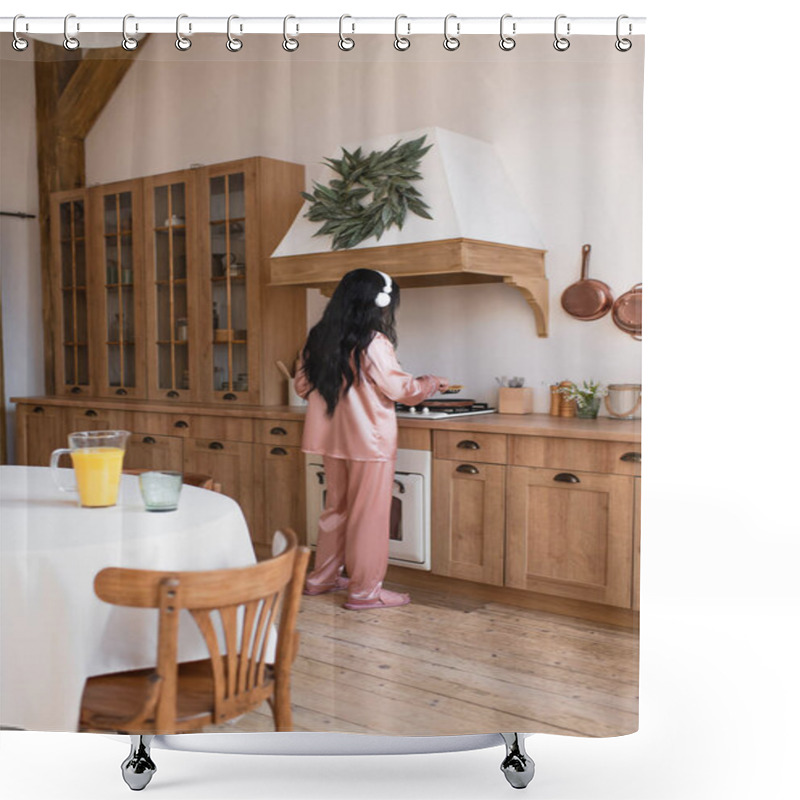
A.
pixel 54 631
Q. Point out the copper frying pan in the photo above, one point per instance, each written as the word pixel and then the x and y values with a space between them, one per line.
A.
pixel 588 298
pixel 627 312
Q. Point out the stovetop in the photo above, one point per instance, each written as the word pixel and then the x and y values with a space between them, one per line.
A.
pixel 423 412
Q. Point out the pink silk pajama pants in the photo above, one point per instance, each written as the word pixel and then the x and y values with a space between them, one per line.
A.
pixel 354 527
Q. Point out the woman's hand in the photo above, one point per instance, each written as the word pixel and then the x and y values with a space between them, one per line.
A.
pixel 441 383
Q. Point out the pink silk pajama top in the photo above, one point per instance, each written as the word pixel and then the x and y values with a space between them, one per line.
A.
pixel 363 426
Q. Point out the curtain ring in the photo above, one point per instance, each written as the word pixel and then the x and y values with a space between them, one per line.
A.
pixel 290 43
pixel 451 43
pixel 345 42
pixel 233 44
pixel 561 43
pixel 128 42
pixel 507 42
pixel 70 42
pixel 623 45
pixel 181 42
pixel 401 42
pixel 18 43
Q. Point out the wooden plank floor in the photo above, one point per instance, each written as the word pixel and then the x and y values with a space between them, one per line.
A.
pixel 448 665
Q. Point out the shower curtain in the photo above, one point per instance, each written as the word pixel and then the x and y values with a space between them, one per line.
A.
pixel 482 180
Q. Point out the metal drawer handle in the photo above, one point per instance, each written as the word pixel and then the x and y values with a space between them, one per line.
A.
pixel 172 393
pixel 467 469
pixel 468 444
pixel 121 392
pixel 321 478
pixel 38 410
pixel 229 396
pixel 566 477
pixel 91 413
pixel 216 446
pixel 278 451
pixel 148 440
pixel 181 424
pixel 278 432
pixel 636 458
pixel 76 390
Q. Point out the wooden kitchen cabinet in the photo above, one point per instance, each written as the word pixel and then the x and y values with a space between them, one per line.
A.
pixel 93 418
pixel 570 534
pixel 468 520
pixel 40 430
pixel 149 451
pixel 279 478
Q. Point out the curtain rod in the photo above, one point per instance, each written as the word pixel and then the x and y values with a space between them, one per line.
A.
pixel 457 26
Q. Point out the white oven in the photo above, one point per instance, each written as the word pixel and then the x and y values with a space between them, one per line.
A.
pixel 410 526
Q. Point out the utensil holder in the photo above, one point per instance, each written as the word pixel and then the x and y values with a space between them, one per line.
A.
pixel 515 400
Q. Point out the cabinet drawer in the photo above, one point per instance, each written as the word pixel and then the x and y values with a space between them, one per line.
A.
pixel 489 448
pixel 90 418
pixel 589 455
pixel 233 429
pixel 279 431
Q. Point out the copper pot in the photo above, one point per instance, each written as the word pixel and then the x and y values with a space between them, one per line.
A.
pixel 627 312
pixel 587 299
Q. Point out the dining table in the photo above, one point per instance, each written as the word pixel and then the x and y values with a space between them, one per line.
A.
pixel 54 631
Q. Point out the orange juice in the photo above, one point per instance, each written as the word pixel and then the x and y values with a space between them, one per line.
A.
pixel 97 473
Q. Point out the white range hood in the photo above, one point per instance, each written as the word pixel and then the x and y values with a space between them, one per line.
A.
pixel 480 231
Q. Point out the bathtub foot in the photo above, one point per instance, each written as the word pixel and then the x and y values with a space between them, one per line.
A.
pixel 517 766
pixel 138 768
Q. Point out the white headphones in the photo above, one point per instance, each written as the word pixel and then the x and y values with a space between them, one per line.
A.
pixel 384 297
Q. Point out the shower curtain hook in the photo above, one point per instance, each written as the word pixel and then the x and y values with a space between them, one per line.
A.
pixel 70 42
pixel 181 42
pixel 345 42
pixel 451 43
pixel 507 42
pixel 290 43
pixel 233 44
pixel 561 43
pixel 128 42
pixel 623 45
pixel 401 42
pixel 18 43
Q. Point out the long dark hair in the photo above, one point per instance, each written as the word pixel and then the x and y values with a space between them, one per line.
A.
pixel 348 325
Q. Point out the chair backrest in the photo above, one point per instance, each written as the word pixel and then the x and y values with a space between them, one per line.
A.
pixel 248 602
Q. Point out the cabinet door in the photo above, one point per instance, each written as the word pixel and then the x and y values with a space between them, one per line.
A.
pixel 468 521
pixel 280 489
pixel 637 537
pixel 570 534
pixel 149 451
pixel 70 292
pixel 228 463
pixel 228 251
pixel 171 285
pixel 117 277
pixel 40 430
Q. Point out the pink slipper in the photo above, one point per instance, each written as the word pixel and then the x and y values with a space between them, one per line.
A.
pixel 341 584
pixel 385 599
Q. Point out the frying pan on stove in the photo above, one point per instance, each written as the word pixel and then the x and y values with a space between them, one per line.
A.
pixel 627 312
pixel 587 299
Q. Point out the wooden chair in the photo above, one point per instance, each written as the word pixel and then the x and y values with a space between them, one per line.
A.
pixel 236 678
pixel 199 479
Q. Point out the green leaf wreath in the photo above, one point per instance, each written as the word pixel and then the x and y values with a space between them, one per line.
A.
pixel 385 176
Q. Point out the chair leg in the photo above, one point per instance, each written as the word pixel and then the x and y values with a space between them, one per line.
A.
pixel 138 768
pixel 282 705
pixel 517 766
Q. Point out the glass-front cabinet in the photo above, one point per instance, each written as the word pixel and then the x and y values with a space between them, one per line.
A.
pixel 228 253
pixel 118 275
pixel 172 323
pixel 70 245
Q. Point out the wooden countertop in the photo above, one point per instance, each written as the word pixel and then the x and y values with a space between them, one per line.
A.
pixel 602 428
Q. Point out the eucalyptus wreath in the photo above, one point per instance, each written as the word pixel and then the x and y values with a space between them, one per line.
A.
pixel 382 180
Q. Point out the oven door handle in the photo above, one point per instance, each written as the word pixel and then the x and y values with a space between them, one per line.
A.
pixel 400 485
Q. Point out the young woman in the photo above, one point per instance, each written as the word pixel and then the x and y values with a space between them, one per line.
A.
pixel 350 376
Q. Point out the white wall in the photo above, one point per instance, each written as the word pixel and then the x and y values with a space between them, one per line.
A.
pixel 20 271
pixel 567 127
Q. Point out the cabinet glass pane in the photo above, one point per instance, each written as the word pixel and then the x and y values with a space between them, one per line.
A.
pixel 172 325
pixel 119 290
pixel 74 311
pixel 228 286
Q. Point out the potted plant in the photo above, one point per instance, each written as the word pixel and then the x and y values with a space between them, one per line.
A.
pixel 587 397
